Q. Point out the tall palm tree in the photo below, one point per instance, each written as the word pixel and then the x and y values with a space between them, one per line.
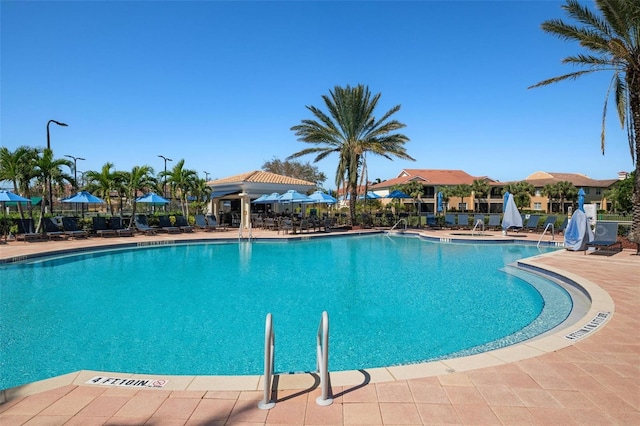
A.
pixel 48 167
pixel 350 130
pixel 104 182
pixel 565 191
pixel 462 190
pixel 612 41
pixel 180 182
pixel 522 192
pixel 550 191
pixel 139 179
pixel 17 167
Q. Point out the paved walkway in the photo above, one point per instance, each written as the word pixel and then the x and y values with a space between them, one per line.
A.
pixel 596 380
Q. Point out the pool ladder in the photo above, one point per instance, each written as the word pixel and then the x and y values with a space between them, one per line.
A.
pixel 249 237
pixel 322 362
pixel 553 235
pixel 480 223
pixel 398 223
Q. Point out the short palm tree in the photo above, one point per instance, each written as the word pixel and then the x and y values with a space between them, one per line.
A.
pixel 481 189
pixel 102 183
pixel 16 167
pixel 139 179
pixel 181 181
pixel 48 167
pixel 351 130
pixel 612 41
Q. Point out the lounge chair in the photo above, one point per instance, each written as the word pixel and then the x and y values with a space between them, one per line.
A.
pixel 52 230
pixel 213 223
pixel 449 221
pixel 285 226
pixel 494 222
pixel 550 220
pixel 532 223
pixel 463 221
pixel 563 225
pixel 432 222
pixel 183 224
pixel 26 231
pixel 70 226
pixel 116 225
pixel 606 237
pixel 201 223
pixel 166 226
pixel 101 229
pixel 142 225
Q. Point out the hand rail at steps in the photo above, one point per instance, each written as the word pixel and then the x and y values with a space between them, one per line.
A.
pixel 322 360
pixel 267 403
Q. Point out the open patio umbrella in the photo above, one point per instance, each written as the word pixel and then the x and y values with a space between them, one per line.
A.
pixel 581 199
pixel 293 196
pixel 261 199
pixel 82 197
pixel 152 198
pixel 370 196
pixel 397 194
pixel 321 197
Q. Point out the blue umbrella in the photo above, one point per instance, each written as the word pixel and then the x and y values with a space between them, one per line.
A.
pixel 504 203
pixel 152 198
pixel 83 197
pixel 398 194
pixel 321 197
pixel 273 198
pixel 440 207
pixel 370 196
pixel 261 199
pixel 10 196
pixel 581 199
pixel 293 196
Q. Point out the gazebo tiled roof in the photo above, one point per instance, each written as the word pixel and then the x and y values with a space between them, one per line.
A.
pixel 259 176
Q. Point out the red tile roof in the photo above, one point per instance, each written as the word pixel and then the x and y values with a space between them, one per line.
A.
pixel 431 176
pixel 259 176
pixel 540 179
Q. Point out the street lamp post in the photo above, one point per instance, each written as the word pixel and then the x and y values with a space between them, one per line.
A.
pixel 49 147
pixel 75 169
pixel 164 185
pixel 206 175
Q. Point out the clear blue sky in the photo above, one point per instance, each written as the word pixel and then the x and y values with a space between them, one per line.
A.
pixel 221 83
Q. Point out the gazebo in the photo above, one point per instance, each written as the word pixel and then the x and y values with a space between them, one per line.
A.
pixel 249 186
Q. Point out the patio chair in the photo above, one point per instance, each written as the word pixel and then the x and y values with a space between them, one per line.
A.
pixel 532 223
pixel 116 225
pixel 213 223
pixel 52 229
pixel 431 221
pixel 201 223
pixel 101 229
pixel 70 227
pixel 463 221
pixel 183 224
pixel 142 225
pixel 494 222
pixel 606 237
pixel 550 220
pixel 26 231
pixel 563 225
pixel 449 220
pixel 285 226
pixel 165 225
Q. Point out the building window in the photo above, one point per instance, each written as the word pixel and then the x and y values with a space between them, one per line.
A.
pixel 598 191
pixel 462 207
pixel 538 193
pixel 537 206
pixel 586 191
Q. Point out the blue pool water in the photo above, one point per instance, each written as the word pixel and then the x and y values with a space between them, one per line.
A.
pixel 199 309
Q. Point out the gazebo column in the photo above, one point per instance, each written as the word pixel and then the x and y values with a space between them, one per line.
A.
pixel 245 209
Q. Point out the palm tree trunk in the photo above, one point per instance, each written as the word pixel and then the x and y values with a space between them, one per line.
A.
pixel 353 195
pixel 633 82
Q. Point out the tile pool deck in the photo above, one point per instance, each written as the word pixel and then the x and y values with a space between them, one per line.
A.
pixel 593 380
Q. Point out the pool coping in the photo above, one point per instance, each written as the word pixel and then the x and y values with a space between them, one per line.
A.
pixel 601 303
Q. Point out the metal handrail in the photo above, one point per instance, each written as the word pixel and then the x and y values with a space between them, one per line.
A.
pixel 478 222
pixel 322 359
pixel 398 222
pixel 553 236
pixel 269 338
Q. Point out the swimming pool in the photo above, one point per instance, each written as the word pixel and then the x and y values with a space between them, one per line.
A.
pixel 199 309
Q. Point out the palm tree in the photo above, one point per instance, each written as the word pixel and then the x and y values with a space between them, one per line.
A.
pixel 351 130
pixel 139 179
pixel 416 190
pixel 522 192
pixel 566 191
pixel 104 182
pixel 16 167
pixel 462 190
pixel 180 182
pixel 202 192
pixel 481 189
pixel 550 191
pixel 48 167
pixel 612 39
